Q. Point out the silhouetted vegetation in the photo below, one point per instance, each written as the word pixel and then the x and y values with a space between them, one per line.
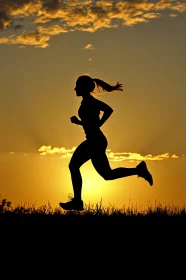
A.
pixel 92 213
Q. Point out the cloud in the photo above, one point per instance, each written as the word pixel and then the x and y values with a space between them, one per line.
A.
pixel 52 30
pixel 173 15
pixel 4 20
pixel 38 38
pixel 50 5
pixel 135 156
pixel 179 6
pixel 89 47
pixel 32 38
pixel 151 15
pixel 4 40
pixel 174 156
pixel 116 157
pixel 63 152
pixel 76 15
pixel 20 7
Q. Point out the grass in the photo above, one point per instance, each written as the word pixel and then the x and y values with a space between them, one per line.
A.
pixel 93 213
pixel 94 229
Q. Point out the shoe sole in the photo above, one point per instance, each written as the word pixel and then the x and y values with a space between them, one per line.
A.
pixel 77 209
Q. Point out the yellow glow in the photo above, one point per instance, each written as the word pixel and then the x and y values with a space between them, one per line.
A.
pixel 93 183
pixel 88 183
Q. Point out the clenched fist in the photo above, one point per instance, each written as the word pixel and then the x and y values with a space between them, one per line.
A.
pixel 75 120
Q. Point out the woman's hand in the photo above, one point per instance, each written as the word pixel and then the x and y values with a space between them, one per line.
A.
pixel 75 120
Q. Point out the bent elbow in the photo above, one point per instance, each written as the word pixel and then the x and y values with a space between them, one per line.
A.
pixel 111 110
pixel 108 111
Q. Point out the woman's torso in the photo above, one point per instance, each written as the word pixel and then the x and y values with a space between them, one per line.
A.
pixel 89 115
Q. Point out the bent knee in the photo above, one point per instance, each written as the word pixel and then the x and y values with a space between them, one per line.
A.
pixel 72 166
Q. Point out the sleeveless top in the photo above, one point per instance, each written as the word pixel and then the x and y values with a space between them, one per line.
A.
pixel 89 115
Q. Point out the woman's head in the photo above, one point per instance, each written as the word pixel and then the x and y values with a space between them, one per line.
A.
pixel 85 85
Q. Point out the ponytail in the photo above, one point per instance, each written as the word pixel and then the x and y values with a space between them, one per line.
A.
pixel 107 87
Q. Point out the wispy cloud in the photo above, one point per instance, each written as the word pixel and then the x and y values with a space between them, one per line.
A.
pixel 75 15
pixel 174 156
pixel 63 152
pixel 52 30
pixel 38 38
pixel 89 47
pixel 112 156
pixel 121 156
pixel 32 38
pixel 173 15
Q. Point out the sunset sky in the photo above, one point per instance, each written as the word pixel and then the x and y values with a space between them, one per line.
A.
pixel 44 46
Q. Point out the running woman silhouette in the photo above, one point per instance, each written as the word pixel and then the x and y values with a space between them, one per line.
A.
pixel 94 147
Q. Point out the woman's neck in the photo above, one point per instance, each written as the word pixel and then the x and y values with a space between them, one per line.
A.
pixel 86 96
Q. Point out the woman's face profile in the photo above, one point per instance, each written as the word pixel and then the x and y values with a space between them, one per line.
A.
pixel 81 87
pixel 78 89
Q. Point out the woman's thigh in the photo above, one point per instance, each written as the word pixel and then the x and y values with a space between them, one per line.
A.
pixel 101 164
pixel 99 158
pixel 80 155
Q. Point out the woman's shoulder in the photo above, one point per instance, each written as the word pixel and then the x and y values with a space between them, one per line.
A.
pixel 94 99
pixel 91 99
pixel 97 101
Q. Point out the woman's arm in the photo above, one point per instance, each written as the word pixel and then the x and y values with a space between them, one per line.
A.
pixel 107 111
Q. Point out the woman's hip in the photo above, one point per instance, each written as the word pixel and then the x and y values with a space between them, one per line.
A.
pixel 97 141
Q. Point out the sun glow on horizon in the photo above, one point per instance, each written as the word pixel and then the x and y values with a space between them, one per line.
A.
pixel 93 186
pixel 88 183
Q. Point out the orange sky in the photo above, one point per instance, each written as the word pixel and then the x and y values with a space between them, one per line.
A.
pixel 44 47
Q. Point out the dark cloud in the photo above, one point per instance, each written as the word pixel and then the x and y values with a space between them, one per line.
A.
pixel 18 26
pixel 10 8
pixel 100 12
pixel 4 20
pixel 50 5
pixel 13 5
